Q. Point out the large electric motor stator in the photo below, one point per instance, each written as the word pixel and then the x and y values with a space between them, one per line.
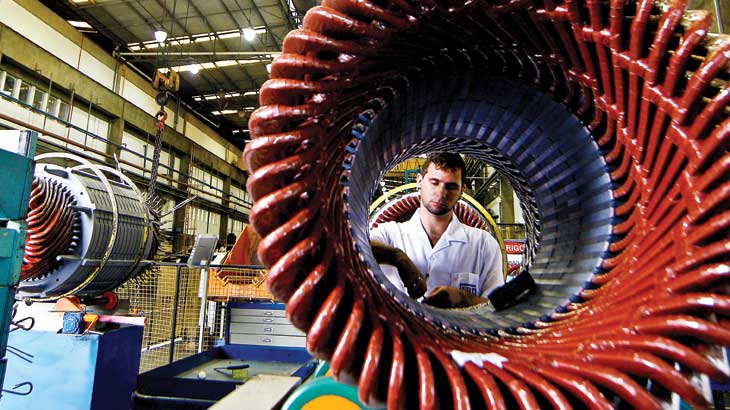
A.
pixel 89 230
pixel 610 121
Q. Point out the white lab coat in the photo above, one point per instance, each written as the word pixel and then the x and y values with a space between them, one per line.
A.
pixel 464 257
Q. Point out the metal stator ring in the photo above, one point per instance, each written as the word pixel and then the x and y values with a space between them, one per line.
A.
pixel 610 120
pixel 89 230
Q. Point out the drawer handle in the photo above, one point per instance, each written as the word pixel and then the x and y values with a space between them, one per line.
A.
pixel 268 320
pixel 268 329
pixel 267 340
pixel 268 313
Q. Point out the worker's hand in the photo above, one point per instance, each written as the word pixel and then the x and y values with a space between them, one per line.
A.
pixel 412 278
pixel 446 297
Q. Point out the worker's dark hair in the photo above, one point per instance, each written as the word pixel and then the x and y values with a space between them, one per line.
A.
pixel 446 161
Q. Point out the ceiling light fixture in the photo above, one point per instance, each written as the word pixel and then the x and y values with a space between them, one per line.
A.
pixel 79 24
pixel 160 36
pixel 249 34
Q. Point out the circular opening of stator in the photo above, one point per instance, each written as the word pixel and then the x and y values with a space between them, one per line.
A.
pixel 550 158
pixel 487 198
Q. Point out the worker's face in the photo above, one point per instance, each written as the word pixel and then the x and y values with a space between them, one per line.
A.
pixel 440 189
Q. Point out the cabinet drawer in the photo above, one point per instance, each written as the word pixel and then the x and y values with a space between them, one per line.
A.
pixel 271 320
pixel 265 329
pixel 257 312
pixel 267 340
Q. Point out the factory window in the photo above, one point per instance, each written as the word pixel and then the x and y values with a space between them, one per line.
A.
pixel 176 165
pixel 24 92
pixel 236 226
pixel 39 100
pixel 53 106
pixel 171 160
pixel 238 198
pixel 9 84
pixel 63 110
pixel 58 108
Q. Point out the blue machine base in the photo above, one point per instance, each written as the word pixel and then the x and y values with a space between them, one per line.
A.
pixel 74 372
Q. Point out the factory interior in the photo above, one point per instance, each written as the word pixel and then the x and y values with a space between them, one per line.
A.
pixel 191 188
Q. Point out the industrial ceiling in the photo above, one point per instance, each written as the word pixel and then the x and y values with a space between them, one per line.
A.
pixel 221 48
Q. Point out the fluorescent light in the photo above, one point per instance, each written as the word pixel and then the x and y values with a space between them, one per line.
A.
pixel 195 68
pixel 224 112
pixel 253 61
pixel 225 63
pixel 249 34
pixel 203 37
pixel 223 95
pixel 79 24
pixel 160 36
pixel 230 35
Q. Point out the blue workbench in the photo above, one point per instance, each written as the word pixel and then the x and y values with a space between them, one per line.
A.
pixel 178 385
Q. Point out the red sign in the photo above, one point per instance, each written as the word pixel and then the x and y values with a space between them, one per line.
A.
pixel 514 247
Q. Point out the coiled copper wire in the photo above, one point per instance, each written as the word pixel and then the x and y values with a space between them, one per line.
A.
pixel 52 227
pixel 403 208
pixel 651 85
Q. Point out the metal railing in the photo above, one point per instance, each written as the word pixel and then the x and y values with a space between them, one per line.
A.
pixel 178 324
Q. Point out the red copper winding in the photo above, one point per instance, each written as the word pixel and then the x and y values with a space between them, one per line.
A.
pixel 52 225
pixel 540 384
pixel 312 42
pixel 617 382
pixel 396 379
pixel 580 388
pixel 629 70
pixel 517 387
pixel 405 206
pixel 367 390
pixel 487 386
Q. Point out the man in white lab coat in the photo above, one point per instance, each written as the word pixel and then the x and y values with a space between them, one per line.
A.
pixel 433 253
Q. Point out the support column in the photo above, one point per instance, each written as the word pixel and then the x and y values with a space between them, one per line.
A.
pixel 226 204
pixel 2 26
pixel 178 221
pixel 507 201
pixel 116 135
